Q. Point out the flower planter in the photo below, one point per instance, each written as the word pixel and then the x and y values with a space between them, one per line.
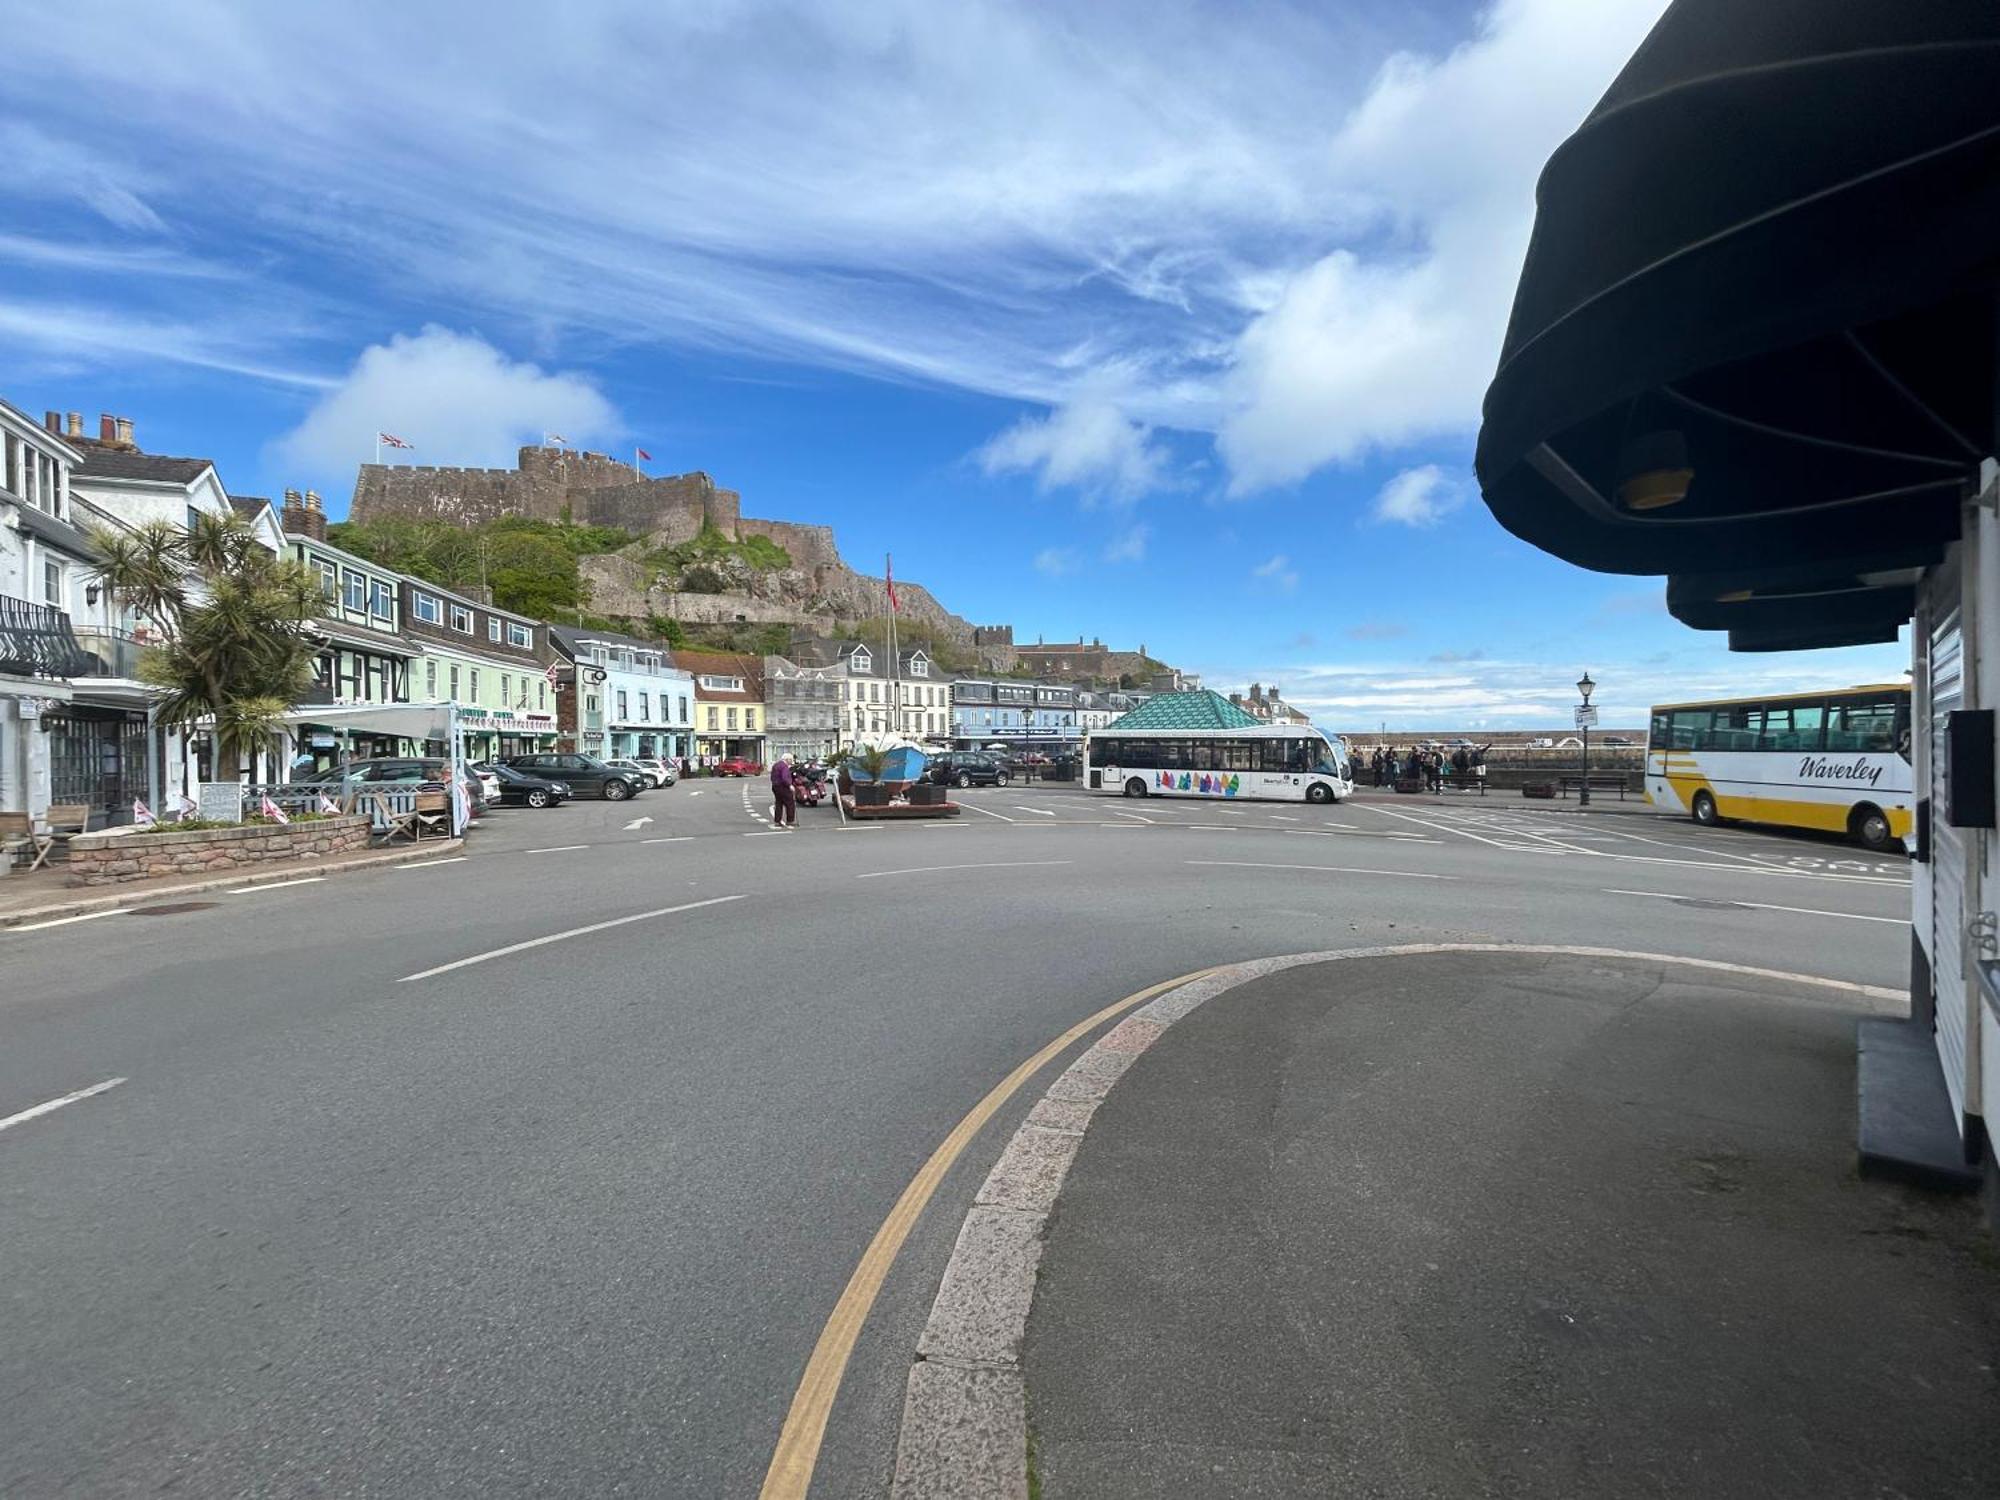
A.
pixel 870 794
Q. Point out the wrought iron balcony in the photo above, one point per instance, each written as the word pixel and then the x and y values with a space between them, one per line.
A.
pixel 36 641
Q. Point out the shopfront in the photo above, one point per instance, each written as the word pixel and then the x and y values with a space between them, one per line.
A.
pixel 97 756
pixel 492 733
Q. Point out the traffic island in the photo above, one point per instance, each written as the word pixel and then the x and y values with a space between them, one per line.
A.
pixel 1460 1219
pixel 893 812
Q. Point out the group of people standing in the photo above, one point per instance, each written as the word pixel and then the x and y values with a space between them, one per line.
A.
pixel 1428 765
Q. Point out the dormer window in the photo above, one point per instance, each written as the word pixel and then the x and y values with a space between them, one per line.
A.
pixel 861 661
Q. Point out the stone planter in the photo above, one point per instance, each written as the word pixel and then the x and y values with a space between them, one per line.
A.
pixel 120 855
pixel 870 794
pixel 925 794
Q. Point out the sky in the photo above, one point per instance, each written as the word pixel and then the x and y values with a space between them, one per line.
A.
pixel 1165 323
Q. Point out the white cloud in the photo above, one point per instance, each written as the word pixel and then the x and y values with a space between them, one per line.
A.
pixel 1129 546
pixel 1363 351
pixel 1086 445
pixel 48 167
pixel 1418 497
pixel 1278 573
pixel 1057 562
pixel 455 397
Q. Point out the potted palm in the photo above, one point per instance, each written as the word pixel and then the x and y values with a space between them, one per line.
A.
pixel 872 761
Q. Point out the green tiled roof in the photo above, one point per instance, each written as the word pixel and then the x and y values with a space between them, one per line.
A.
pixel 1202 709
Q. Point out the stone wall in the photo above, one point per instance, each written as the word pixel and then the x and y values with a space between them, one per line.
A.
pixel 112 858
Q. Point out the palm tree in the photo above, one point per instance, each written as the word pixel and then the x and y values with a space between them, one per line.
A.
pixel 235 648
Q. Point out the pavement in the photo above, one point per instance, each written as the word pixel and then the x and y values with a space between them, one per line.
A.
pixel 1477 1224
pixel 543 1168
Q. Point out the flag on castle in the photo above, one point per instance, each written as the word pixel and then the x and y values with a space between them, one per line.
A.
pixel 390 440
pixel 555 439
pixel 644 455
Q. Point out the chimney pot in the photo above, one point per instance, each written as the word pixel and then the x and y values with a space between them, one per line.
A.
pixel 125 432
pixel 107 428
pixel 312 500
pixel 52 420
pixel 73 424
pixel 291 499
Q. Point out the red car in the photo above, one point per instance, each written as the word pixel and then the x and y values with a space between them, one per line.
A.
pixel 736 765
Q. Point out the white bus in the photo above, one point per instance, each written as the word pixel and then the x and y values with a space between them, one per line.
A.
pixel 1279 762
pixel 1835 761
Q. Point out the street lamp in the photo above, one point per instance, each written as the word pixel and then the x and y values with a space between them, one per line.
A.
pixel 1585 686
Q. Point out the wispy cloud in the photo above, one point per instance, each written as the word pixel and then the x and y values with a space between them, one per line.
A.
pixel 1418 497
pixel 1277 573
pixel 1129 546
pixel 1378 630
pixel 1057 562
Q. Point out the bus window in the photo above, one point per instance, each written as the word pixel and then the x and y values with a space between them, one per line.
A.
pixel 1792 726
pixel 1659 735
pixel 1690 728
pixel 1863 725
pixel 1237 755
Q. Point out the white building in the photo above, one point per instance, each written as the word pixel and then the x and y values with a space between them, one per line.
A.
pixel 643 705
pixel 914 701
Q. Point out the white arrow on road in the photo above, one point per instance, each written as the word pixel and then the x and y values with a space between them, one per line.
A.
pixel 1038 811
pixel 696 792
pixel 637 823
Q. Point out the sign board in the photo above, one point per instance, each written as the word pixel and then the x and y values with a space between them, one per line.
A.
pixel 1586 717
pixel 221 801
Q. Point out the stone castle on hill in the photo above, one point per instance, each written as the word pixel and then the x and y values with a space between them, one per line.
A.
pixel 555 484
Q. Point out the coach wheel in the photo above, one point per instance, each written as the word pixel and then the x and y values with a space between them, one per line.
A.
pixel 1704 810
pixel 1319 791
pixel 1135 788
pixel 1870 825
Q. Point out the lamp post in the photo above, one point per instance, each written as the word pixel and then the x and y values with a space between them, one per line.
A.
pixel 1585 687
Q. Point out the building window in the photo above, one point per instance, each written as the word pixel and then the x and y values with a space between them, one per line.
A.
pixel 430 680
pixel 749 718
pixel 357 593
pixel 731 718
pixel 461 620
pixel 426 608
pixel 329 580
pixel 684 709
pixel 193 515
pixel 381 601
pixel 520 635
pixel 874 692
pixel 506 691
pixel 52 583
pixel 645 708
pixel 861 662
pixel 590 703
pixel 622 708
pixel 454 682
pixel 473 691
pixel 492 629
pixel 713 714
pixel 542 693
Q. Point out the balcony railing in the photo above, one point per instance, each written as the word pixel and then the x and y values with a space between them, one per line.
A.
pixel 108 652
pixel 36 641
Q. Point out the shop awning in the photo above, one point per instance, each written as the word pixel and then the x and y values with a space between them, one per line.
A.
pixel 409 721
pixel 1756 325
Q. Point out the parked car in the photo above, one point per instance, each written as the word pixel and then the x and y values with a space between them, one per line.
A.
pixel 967 768
pixel 664 772
pixel 488 782
pixel 738 765
pixel 586 774
pixel 522 789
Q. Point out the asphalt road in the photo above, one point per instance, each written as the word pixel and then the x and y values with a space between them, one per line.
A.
pixel 367 1218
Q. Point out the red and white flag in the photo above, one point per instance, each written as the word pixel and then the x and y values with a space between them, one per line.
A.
pixel 554 674
pixel 390 440
pixel 142 815
pixel 643 454
pixel 327 804
pixel 890 570
pixel 183 806
pixel 272 811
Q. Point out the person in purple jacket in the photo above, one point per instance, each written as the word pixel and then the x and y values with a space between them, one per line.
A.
pixel 784 799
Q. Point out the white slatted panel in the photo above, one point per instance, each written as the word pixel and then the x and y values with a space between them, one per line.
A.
pixel 1949 851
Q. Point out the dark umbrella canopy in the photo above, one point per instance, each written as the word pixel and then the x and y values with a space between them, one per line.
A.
pixel 1756 324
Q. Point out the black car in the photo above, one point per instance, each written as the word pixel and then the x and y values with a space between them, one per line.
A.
pixel 967 768
pixel 586 774
pixel 521 789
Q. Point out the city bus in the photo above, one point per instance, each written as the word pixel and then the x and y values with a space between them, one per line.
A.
pixel 1835 761
pixel 1273 762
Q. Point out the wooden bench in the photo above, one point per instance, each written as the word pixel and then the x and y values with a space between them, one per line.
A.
pixel 1618 784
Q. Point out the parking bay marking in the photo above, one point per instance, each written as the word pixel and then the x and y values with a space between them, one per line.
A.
pixel 1040 812
pixel 53 1105
pixel 998 864
pixel 1803 911
pixel 573 932
pixel 556 849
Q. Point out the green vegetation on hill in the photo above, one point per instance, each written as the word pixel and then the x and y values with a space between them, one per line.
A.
pixel 530 565
pixel 705 562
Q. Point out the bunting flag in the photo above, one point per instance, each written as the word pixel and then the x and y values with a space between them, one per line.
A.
pixel 183 806
pixel 327 804
pixel 272 811
pixel 554 673
pixel 142 815
pixel 390 440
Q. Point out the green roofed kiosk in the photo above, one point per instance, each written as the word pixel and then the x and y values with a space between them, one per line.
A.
pixel 1202 709
pixel 1753 348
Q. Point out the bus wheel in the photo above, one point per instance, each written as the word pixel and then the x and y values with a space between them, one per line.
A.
pixel 1704 810
pixel 1870 825
pixel 1319 791
pixel 1135 788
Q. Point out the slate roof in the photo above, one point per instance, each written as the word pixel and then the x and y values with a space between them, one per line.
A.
pixel 1202 709
pixel 247 506
pixel 109 463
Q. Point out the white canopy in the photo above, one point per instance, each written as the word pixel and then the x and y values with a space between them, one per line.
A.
pixel 410 721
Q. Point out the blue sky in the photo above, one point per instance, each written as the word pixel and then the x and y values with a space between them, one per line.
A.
pixel 1166 323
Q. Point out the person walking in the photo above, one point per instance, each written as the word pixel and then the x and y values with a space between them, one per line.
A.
pixel 784 795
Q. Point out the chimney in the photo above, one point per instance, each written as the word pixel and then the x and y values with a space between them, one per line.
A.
pixel 125 433
pixel 107 428
pixel 293 516
pixel 315 517
pixel 73 424
pixel 53 421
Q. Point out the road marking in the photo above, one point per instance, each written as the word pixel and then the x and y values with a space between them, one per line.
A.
pixel 998 864
pixel 1247 864
pixel 1360 833
pixel 1133 816
pixel 1040 812
pixel 975 807
pixel 1436 827
pixel 89 916
pixel 556 849
pixel 679 838
pixel 55 1104
pixel 432 864
pixel 1804 911
pixel 276 885
pixel 696 792
pixel 792 1464
pixel 764 833
pixel 635 825
pixel 1282 818
pixel 574 932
